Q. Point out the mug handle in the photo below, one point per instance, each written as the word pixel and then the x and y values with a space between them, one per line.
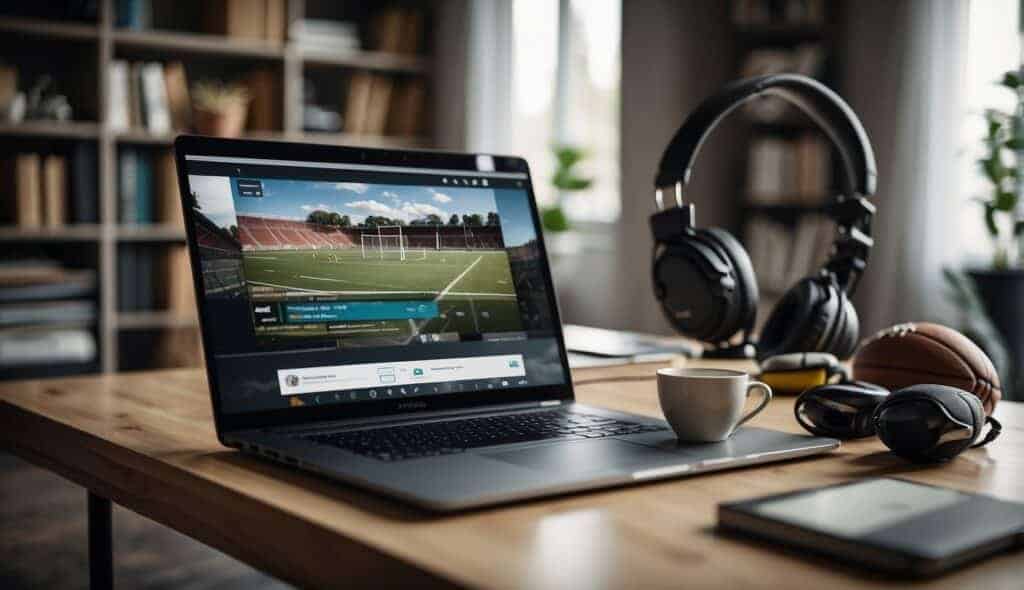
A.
pixel 767 397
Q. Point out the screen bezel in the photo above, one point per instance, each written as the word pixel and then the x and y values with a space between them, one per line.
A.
pixel 227 422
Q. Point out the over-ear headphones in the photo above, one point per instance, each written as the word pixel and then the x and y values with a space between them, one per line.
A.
pixel 703 277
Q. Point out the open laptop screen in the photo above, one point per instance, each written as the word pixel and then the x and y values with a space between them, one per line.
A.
pixel 329 283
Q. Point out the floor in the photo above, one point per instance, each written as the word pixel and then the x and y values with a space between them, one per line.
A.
pixel 43 542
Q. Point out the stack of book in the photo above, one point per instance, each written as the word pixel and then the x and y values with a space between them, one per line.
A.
pixel 149 95
pixel 312 35
pixel 778 12
pixel 40 193
pixel 380 104
pixel 47 314
pixel 147 184
pixel 782 255
pixel 397 29
pixel 789 172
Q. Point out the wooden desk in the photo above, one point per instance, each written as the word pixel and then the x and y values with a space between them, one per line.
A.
pixel 146 441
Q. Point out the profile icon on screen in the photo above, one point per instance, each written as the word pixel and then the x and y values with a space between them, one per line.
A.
pixel 292 380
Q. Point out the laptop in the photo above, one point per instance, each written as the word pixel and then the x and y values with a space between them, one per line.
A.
pixel 387 319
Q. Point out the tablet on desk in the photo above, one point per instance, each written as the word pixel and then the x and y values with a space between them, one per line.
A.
pixel 889 524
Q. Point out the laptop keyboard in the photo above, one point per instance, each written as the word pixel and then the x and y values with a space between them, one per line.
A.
pixel 410 441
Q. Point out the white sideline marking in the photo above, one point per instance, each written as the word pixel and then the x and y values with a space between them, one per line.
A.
pixel 324 279
pixel 260 257
pixel 457 279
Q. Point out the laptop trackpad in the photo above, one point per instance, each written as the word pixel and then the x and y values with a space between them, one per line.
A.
pixel 583 456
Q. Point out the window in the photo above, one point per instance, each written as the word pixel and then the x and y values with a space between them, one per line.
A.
pixel 993 48
pixel 563 90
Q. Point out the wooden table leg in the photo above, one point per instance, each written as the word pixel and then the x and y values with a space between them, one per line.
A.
pixel 101 550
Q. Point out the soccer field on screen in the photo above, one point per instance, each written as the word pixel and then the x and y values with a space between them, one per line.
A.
pixel 473 288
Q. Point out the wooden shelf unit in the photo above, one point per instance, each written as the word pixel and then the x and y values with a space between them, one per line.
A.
pixel 110 43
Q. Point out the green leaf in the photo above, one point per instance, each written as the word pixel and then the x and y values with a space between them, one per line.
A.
pixel 1005 201
pixel 990 221
pixel 1011 80
pixel 568 156
pixel 1014 143
pixel 554 220
pixel 1018 228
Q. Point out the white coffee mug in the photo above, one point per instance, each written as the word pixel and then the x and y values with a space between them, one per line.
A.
pixel 706 405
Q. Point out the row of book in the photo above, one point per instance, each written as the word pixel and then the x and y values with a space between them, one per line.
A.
pixel 782 255
pixel 147 185
pixel 382 104
pixel 149 95
pixel 47 316
pixel 50 190
pixel 778 12
pixel 155 96
pixel 152 277
pixel 244 19
pixel 789 171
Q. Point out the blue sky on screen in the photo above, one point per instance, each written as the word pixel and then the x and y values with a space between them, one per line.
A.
pixel 295 199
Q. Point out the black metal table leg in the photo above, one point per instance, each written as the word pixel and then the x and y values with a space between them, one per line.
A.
pixel 101 550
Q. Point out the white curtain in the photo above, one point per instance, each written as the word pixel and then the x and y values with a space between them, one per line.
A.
pixel 913 112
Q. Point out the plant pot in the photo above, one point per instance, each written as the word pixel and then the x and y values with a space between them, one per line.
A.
pixel 1002 293
pixel 229 122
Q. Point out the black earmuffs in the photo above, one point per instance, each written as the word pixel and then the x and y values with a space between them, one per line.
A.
pixel 703 278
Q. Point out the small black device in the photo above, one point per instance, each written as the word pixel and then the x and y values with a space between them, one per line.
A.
pixel 932 423
pixel 840 410
pixel 703 277
pixel 894 525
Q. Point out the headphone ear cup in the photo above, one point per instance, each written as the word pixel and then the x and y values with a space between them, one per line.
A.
pixel 743 271
pixel 694 286
pixel 848 332
pixel 792 322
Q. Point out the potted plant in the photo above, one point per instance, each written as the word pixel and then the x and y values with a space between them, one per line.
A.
pixel 220 109
pixel 1001 286
pixel 565 179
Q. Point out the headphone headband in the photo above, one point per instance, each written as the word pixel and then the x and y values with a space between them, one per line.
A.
pixel 821 104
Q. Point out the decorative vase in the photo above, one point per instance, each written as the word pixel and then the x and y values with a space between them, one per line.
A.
pixel 1002 293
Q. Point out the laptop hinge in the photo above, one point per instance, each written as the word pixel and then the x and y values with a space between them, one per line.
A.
pixel 417 416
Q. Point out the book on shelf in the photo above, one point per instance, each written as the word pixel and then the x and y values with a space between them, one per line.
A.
pixel 788 171
pixel 143 94
pixel 264 101
pixel 357 104
pixel 379 102
pixel 20 347
pixel 325 36
pixel 135 184
pixel 408 110
pixel 23 179
pixel 168 197
pixel 61 311
pixel 118 100
pixel 246 19
pixel 54 191
pixel 397 29
pixel 134 14
pixel 179 103
pixel 135 268
pixel 84 183
pixel 153 95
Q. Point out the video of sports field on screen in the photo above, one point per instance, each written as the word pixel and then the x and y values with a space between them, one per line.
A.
pixel 365 264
